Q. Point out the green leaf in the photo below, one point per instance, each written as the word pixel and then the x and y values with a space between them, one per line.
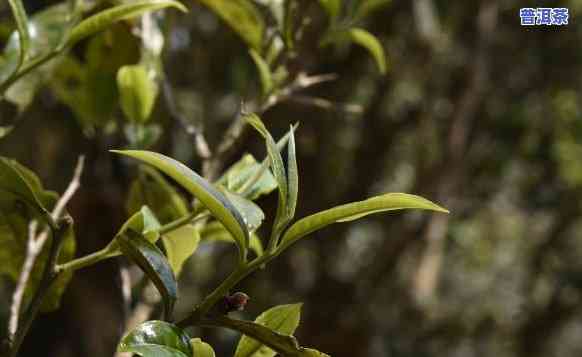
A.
pixel 107 17
pixel 201 348
pixel 47 30
pixel 153 190
pixel 138 92
pixel 332 7
pixel 15 218
pixel 143 221
pixel 215 231
pixel 264 72
pixel 208 195
pixel 249 178
pixel 282 319
pixel 309 352
pixel 367 7
pixel 157 339
pixel 5 130
pixel 370 43
pixel 355 210
pixel 179 245
pixel 282 218
pixel 153 263
pixel 22 25
pixel 243 17
pixel 292 175
pixel 18 182
pixel 252 214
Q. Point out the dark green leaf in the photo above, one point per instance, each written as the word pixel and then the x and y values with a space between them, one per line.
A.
pixel 157 339
pixel 208 195
pixel 18 182
pixel 282 319
pixel 138 92
pixel 355 210
pixel 153 263
pixel 106 18
pixel 243 17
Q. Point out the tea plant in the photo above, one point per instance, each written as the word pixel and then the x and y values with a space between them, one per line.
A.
pixel 37 233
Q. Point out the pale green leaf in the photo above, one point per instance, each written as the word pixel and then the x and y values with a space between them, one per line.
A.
pixel 5 130
pixel 137 91
pixel 264 72
pixel 108 17
pixel 179 245
pixel 208 195
pixel 201 348
pixel 249 178
pixel 282 218
pixel 367 7
pixel 252 214
pixel 370 43
pixel 282 319
pixel 332 7
pixel 215 231
pixel 243 17
pixel 292 175
pixel 355 210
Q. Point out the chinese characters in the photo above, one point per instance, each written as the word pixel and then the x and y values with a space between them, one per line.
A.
pixel 557 16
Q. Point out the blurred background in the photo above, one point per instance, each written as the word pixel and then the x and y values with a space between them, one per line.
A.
pixel 476 113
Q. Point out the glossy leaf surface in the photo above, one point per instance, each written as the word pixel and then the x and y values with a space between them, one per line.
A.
pixel 352 211
pixel 210 197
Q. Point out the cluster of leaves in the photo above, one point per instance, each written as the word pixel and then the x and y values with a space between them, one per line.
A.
pixel 164 228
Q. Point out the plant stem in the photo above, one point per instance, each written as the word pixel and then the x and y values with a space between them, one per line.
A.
pixel 48 277
pixel 233 279
pixel 189 218
pixel 85 261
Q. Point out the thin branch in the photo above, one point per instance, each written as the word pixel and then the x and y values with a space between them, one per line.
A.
pixel 35 245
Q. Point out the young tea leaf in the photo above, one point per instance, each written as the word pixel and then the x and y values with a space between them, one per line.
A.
pixel 249 178
pixel 179 245
pixel 16 181
pixel 292 175
pixel 352 211
pixel 282 218
pixel 153 263
pixel 157 339
pixel 282 319
pixel 215 231
pixel 367 7
pixel 201 348
pixel 208 195
pixel 264 72
pixel 252 214
pixel 371 43
pixel 138 92
pixel 243 17
pixel 332 7
pixel 110 16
